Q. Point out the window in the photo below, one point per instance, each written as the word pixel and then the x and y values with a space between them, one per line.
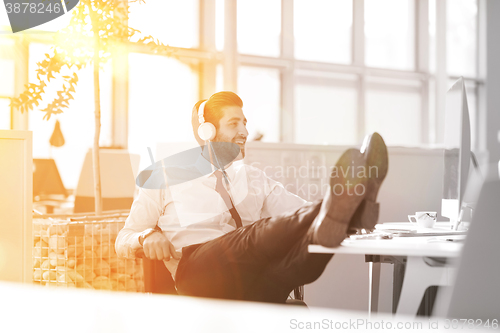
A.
pixel 56 24
pixel 4 114
pixel 461 37
pixel 259 27
pixel 4 21
pixel 162 93
pixel 7 81
pixel 219 25
pixel 432 36
pixel 308 71
pixel 259 88
pixel 396 114
pixel 77 122
pixel 173 22
pixel 219 78
pixel 325 112
pixel 390 34
pixel 323 30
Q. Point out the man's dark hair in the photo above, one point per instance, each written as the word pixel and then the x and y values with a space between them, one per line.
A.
pixel 213 110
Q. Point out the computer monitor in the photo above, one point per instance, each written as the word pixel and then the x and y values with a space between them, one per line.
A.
pixel 46 178
pixel 457 151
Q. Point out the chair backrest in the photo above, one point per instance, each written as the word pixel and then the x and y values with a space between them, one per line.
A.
pixel 118 172
pixel 157 278
pixel 476 292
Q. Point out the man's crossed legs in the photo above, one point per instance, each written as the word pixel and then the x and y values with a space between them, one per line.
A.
pixel 263 261
pixel 266 260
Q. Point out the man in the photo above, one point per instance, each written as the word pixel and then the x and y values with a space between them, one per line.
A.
pixel 236 233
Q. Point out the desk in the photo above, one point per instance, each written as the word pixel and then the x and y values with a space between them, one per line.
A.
pixel 54 204
pixel 418 271
pixel 398 246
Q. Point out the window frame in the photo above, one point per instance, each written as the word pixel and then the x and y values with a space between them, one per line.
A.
pixel 290 68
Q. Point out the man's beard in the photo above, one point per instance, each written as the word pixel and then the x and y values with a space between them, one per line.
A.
pixel 223 138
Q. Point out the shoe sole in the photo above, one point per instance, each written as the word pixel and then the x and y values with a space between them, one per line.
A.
pixel 332 230
pixel 376 156
pixel 375 150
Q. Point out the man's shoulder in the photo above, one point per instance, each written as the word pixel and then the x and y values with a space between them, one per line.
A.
pixel 152 193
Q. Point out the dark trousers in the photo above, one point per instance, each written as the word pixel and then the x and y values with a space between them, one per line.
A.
pixel 262 262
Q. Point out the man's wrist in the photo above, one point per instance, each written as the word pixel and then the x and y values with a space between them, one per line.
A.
pixel 146 233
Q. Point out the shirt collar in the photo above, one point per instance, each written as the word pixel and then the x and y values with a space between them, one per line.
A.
pixel 206 168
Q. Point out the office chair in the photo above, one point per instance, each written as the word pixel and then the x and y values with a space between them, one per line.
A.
pixel 158 280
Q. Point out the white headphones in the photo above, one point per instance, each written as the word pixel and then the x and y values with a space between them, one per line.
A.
pixel 206 131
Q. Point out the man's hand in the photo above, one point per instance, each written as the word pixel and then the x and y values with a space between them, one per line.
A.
pixel 157 247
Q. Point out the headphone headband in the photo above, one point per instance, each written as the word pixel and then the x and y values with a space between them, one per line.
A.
pixel 206 130
pixel 201 112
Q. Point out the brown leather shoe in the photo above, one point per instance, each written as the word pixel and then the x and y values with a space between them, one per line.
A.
pixel 341 201
pixel 376 156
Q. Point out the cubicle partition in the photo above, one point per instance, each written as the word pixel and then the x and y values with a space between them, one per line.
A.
pixel 78 250
pixel 16 179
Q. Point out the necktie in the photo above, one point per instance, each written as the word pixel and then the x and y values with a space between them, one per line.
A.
pixel 219 187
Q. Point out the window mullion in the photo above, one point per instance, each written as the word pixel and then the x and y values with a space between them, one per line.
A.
pixel 422 40
pixel 20 120
pixel 119 91
pixel 287 124
pixel 207 43
pixel 230 46
pixel 358 59
pixel 119 116
pixel 422 64
pixel 441 74
pixel 481 116
pixel 358 34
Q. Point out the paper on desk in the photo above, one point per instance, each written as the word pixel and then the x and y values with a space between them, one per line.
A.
pixel 408 229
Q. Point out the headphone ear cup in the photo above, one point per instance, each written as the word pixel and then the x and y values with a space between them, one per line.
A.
pixel 207 131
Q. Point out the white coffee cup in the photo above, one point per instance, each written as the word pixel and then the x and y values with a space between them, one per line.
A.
pixel 424 219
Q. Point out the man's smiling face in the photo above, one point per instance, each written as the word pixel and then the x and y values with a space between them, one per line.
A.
pixel 233 128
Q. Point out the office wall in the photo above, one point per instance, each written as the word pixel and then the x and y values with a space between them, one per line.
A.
pixel 414 183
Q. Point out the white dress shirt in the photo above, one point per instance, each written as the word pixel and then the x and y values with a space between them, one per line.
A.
pixel 193 212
